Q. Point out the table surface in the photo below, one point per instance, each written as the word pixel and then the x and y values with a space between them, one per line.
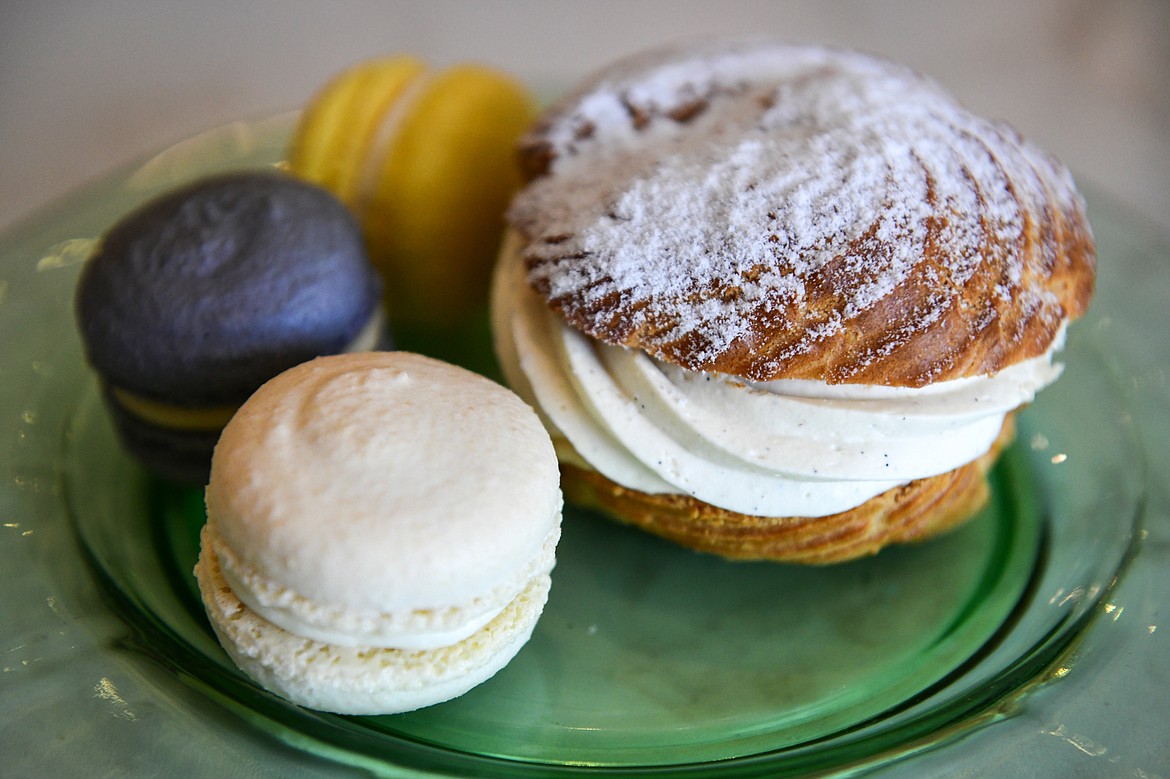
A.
pixel 88 87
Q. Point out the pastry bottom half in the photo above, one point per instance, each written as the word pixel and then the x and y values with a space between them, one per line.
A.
pixel 912 512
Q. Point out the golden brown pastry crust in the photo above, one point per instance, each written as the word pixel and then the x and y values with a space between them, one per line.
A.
pixel 912 512
pixel 769 212
pixel 1002 254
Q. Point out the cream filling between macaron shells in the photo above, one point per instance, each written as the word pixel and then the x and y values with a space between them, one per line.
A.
pixel 419 629
pixel 782 448
pixel 211 418
pixel 361 679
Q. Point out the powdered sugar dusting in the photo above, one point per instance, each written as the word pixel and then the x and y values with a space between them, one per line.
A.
pixel 744 182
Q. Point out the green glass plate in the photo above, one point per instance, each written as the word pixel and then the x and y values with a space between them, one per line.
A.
pixel 654 660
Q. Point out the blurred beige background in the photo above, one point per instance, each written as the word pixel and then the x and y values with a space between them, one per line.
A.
pixel 85 86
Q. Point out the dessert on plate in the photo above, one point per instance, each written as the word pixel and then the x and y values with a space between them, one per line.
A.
pixel 380 532
pixel 195 299
pixel 783 302
pixel 424 159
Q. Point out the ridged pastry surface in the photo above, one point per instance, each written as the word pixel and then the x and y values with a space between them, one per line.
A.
pixel 772 211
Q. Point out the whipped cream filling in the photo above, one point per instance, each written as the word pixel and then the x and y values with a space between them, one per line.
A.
pixel 372 164
pixel 778 448
pixel 420 629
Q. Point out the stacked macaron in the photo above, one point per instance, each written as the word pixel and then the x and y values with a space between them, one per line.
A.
pixel 193 301
pixel 425 160
pixel 381 528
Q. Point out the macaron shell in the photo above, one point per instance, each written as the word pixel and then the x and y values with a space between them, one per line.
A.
pixel 206 292
pixel 363 680
pixel 434 218
pixel 415 484
pixel 338 129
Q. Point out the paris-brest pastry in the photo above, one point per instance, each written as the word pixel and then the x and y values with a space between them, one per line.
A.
pixel 783 302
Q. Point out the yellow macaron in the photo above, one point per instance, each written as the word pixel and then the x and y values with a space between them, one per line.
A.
pixel 425 159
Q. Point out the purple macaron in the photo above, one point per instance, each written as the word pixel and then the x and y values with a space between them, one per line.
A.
pixel 194 300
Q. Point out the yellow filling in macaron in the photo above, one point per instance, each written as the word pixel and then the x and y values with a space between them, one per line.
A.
pixel 191 418
pixel 213 418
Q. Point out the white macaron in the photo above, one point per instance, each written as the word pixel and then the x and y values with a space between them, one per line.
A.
pixel 381 529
